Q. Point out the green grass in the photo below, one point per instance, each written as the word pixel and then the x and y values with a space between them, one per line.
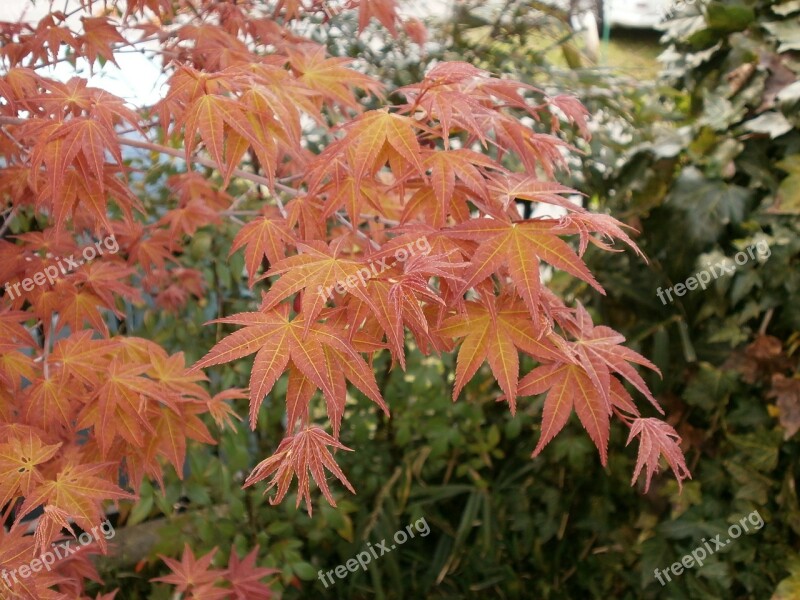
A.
pixel 632 52
pixel 629 52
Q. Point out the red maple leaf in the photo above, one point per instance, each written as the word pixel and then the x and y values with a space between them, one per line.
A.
pixel 656 439
pixel 316 351
pixel 494 334
pixel 519 246
pixel 298 455
pixel 569 387
pixel 245 577
pixel 190 573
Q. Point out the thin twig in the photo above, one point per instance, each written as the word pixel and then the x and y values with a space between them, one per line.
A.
pixel 7 222
pixel 357 232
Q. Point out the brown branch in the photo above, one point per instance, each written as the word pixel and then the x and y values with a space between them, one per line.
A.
pixel 206 162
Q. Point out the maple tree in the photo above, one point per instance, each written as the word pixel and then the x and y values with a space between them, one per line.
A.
pixel 86 414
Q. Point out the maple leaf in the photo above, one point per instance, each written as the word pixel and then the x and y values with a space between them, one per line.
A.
pixel 193 186
pixel 117 405
pixel 209 115
pixel 519 246
pixel 50 404
pixel 384 11
pixel 106 279
pixel 296 456
pixel 76 307
pixel 574 110
pixel 190 573
pixel 329 77
pixel 394 297
pixel 275 106
pixel 152 250
pixel 424 206
pixel 172 429
pixel 245 577
pixel 16 550
pixel 601 351
pixel 657 438
pixel 464 163
pixel 354 196
pixel 170 371
pixel 222 412
pixel 81 356
pixel 99 35
pixel 508 187
pixel 535 150
pixel 372 139
pixel 317 270
pixel 11 329
pixel 186 220
pixel 45 39
pixel 90 139
pixel 416 30
pixel 317 352
pixel 584 381
pixel 495 334
pixel 15 367
pixel 569 387
pixel 19 458
pixel 78 492
pixel 585 223
pixel 448 94
pixel 157 6
pixel 263 237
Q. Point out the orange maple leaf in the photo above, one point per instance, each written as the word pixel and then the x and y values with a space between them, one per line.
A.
pixel 77 491
pixel 494 334
pixel 520 246
pixel 190 573
pixel 569 387
pixel 657 438
pixel 298 455
pixel 317 352
pixel 19 457
pixel 263 237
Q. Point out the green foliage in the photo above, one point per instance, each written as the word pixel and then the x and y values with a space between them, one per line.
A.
pixel 718 182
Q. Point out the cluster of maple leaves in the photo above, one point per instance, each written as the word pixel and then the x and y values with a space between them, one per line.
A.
pixel 84 414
